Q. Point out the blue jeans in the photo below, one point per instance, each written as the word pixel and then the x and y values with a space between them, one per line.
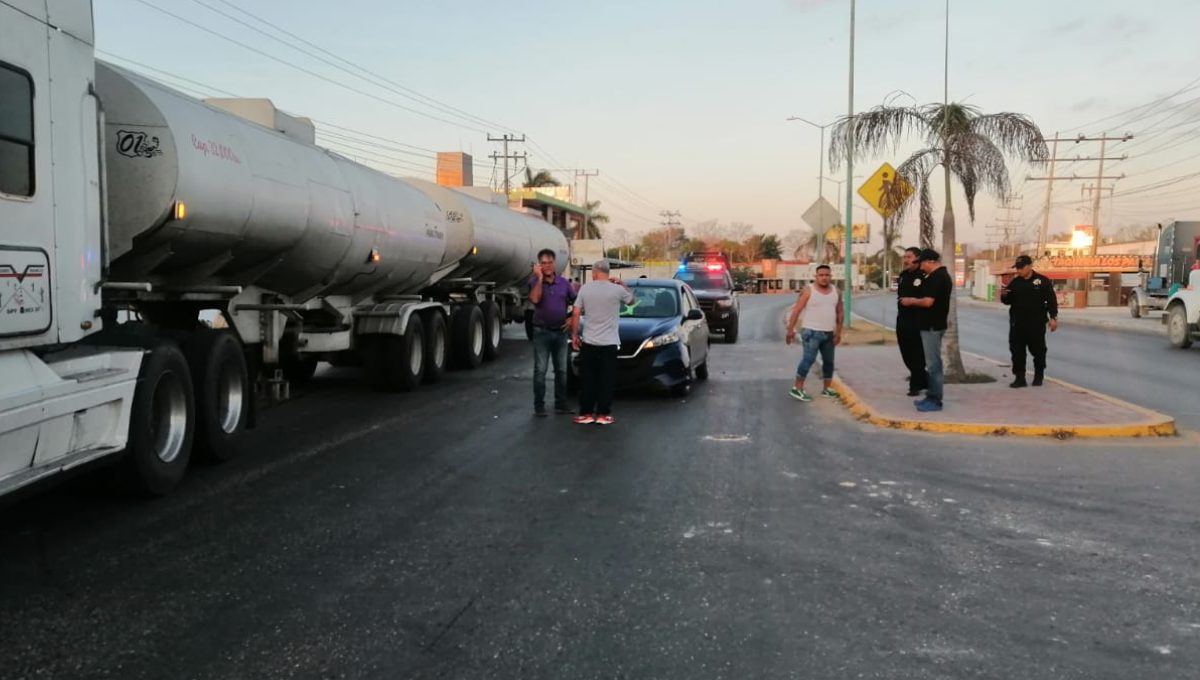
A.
pixel 931 341
pixel 549 344
pixel 813 342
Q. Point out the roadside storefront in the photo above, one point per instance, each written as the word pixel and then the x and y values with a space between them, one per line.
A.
pixel 1079 281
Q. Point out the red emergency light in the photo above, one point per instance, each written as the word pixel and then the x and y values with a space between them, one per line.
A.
pixel 715 267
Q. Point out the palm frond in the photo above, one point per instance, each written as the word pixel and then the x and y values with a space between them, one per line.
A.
pixel 945 120
pixel 926 202
pixel 876 131
pixel 915 171
pixel 977 163
pixel 1014 134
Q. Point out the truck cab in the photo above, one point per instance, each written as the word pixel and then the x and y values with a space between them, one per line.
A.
pixel 1183 312
pixel 1174 258
pixel 708 274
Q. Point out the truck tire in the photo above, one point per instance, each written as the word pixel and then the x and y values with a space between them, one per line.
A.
pixel 491 329
pixel 222 393
pixel 1178 333
pixel 396 363
pixel 731 333
pixel 466 336
pixel 437 345
pixel 161 423
pixel 297 368
pixel 1135 310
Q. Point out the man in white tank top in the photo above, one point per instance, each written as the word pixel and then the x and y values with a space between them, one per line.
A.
pixel 821 304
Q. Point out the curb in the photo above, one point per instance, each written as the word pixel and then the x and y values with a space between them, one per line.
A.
pixel 1159 425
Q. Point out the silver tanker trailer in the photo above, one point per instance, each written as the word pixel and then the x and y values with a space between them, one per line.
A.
pixel 130 212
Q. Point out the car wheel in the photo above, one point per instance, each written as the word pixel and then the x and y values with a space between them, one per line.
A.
pixel 1178 332
pixel 731 333
pixel 702 371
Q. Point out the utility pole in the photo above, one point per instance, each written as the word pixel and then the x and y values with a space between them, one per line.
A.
pixel 1103 139
pixel 1003 231
pixel 587 210
pixel 506 138
pixel 670 221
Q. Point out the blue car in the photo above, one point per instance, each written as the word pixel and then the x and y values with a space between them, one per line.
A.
pixel 664 339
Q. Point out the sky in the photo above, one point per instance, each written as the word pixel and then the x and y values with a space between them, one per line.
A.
pixel 682 105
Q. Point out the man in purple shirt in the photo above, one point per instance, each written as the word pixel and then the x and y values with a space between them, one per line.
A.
pixel 552 297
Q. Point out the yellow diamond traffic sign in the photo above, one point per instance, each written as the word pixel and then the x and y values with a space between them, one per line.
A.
pixel 886 191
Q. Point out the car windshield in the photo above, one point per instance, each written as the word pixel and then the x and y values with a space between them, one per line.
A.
pixel 652 302
pixel 703 280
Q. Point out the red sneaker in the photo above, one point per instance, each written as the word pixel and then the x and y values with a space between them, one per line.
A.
pixel 585 419
pixel 604 420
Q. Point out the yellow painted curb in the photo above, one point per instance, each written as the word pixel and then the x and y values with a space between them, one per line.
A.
pixel 1162 426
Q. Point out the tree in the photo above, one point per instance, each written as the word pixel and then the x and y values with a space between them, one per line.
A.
pixel 793 240
pixel 772 249
pixel 595 218
pixel 808 249
pixel 969 146
pixel 543 178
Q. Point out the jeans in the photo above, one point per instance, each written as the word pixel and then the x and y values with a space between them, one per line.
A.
pixel 597 378
pixel 813 342
pixel 931 341
pixel 549 344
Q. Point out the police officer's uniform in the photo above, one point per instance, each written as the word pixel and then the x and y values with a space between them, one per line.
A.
pixel 908 331
pixel 1030 303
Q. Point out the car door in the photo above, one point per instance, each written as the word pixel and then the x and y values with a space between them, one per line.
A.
pixel 695 332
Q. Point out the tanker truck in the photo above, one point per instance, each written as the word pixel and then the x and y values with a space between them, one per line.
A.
pixel 130 213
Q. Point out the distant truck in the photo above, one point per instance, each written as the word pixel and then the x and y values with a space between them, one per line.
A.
pixel 1174 258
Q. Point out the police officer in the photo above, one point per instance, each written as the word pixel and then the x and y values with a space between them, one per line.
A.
pixel 1031 300
pixel 908 327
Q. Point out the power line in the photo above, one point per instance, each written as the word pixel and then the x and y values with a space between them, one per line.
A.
pixel 305 70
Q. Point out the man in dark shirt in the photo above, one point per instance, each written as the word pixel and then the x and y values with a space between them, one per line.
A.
pixel 933 299
pixel 1030 298
pixel 552 296
pixel 908 326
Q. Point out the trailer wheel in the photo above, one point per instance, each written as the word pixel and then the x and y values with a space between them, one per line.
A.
pixel 1178 333
pixel 297 368
pixel 436 344
pixel 221 392
pixel 396 363
pixel 492 330
pixel 466 329
pixel 161 423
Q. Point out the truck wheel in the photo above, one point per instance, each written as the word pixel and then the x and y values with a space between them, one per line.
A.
pixel 297 368
pixel 491 329
pixel 1178 333
pixel 466 336
pixel 221 392
pixel 1135 310
pixel 396 363
pixel 436 344
pixel 731 333
pixel 161 423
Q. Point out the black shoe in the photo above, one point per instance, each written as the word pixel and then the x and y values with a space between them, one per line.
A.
pixel 1019 382
pixel 1037 379
pixel 564 409
pixel 540 411
pixel 913 392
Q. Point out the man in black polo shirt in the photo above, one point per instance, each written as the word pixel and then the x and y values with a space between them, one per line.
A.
pixel 908 324
pixel 1032 304
pixel 933 299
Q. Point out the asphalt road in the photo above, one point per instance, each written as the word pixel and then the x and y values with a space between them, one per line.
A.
pixel 1139 368
pixel 739 534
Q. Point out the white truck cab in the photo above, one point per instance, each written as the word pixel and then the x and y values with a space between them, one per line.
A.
pixel 1183 313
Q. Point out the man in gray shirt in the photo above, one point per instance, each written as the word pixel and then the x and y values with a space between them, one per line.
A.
pixel 599 301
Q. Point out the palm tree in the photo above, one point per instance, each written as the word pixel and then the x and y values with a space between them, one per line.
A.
pixel 595 218
pixel 970 146
pixel 543 178
pixel 808 249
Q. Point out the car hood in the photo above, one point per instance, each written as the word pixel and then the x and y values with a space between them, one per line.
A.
pixel 712 294
pixel 632 330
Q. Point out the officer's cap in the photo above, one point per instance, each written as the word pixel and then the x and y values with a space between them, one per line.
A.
pixel 929 255
pixel 1022 262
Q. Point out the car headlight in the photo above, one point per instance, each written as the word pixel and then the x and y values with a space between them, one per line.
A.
pixel 664 339
pixel 725 302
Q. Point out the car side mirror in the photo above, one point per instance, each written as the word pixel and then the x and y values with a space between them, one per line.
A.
pixel 694 315
pixel 739 288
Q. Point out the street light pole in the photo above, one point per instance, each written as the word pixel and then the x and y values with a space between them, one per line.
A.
pixel 820 252
pixel 849 176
